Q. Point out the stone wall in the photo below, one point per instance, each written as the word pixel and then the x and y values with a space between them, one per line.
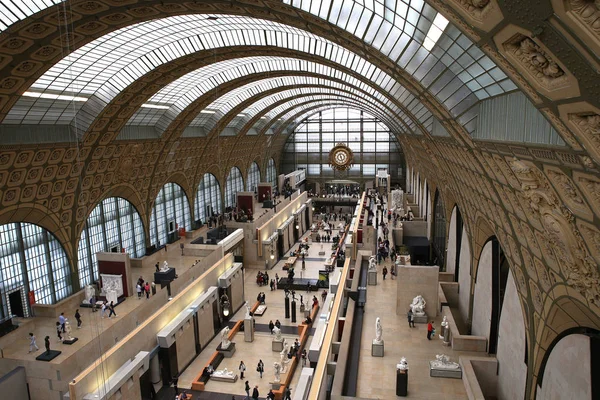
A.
pixel 464 278
pixel 482 298
pixel 451 246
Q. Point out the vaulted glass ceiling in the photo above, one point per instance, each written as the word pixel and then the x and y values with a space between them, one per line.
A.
pixel 455 71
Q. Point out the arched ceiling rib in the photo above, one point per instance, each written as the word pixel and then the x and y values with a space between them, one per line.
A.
pixel 131 58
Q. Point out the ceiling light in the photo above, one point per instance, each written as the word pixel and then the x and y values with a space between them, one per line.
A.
pixel 158 106
pixel 241 115
pixel 207 112
pixel 54 96
pixel 263 117
pixel 435 31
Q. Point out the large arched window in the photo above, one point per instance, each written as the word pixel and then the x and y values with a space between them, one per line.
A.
pixel 271 173
pixel 369 139
pixel 114 223
pixel 253 178
pixel 208 195
pixel 31 259
pixel 234 184
pixel 171 210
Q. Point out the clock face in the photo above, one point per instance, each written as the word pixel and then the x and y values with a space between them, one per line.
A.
pixel 340 157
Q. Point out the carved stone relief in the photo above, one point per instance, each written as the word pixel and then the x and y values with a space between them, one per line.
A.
pixel 576 264
pixel 588 126
pixel 568 192
pixel 590 186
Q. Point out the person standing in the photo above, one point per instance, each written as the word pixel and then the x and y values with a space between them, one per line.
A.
pixel 271 326
pixel 247 389
pixel 147 290
pixel 32 342
pixel 78 318
pixel 242 369
pixel 385 271
pixel 111 309
pixel 174 381
pixel 287 394
pixel 255 393
pixel 411 319
pixel 429 330
pixel 61 321
pixel 138 288
pixel 278 324
pixel 323 296
pixel 260 367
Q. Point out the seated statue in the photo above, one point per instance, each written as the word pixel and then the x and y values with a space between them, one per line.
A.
pixel 418 306
pixel 165 266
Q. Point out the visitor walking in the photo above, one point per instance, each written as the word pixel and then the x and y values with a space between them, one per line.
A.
pixel 59 331
pixel 111 309
pixel 287 395
pixel 147 290
pixel 255 393
pixel 271 326
pixel 78 318
pixel 323 296
pixel 138 288
pixel 430 330
pixel 247 389
pixel 260 368
pixel 411 319
pixel 103 310
pixel 61 321
pixel 385 271
pixel 32 342
pixel 242 369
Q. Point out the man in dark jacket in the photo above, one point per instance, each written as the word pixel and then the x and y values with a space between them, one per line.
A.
pixel 255 393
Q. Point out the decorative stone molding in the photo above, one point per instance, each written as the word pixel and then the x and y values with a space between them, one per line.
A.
pixel 578 267
pixel 583 17
pixel 568 192
pixel 584 120
pixel 483 14
pixel 536 62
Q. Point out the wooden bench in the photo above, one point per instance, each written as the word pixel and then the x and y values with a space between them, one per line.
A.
pixel 200 381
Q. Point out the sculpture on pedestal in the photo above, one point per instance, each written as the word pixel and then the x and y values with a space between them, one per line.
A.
pixel 283 355
pixel 68 330
pixel 225 342
pixel 165 266
pixel 277 367
pixel 248 315
pixel 442 361
pixel 378 331
pixel 444 326
pixel 277 332
pixel 418 306
pixel 372 263
pixel 47 344
pixel 403 365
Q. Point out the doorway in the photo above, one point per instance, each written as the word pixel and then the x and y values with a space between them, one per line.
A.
pixel 16 304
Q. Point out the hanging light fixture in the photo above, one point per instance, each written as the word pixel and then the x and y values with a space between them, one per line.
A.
pixel 272 254
pixel 225 305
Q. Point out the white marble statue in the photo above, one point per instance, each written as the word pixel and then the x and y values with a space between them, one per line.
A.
pixel 418 306
pixel 444 326
pixel 372 263
pixel 397 201
pixel 277 332
pixel 283 355
pixel 442 361
pixel 378 331
pixel 165 266
pixel 68 330
pixel 277 367
pixel 89 293
pixel 403 365
pixel 225 338
pixel 248 316
pixel 223 373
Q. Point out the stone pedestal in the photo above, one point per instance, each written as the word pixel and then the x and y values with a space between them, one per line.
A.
pixel 372 278
pixel 227 352
pixel 48 355
pixel 377 348
pixel 70 341
pixel 275 385
pixel 420 319
pixel 248 330
pixel 277 345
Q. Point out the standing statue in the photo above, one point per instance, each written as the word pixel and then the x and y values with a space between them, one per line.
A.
pixel 378 331
pixel 444 326
pixel 418 306
pixel 89 294
pixel 372 263
pixel 283 355
pixel 47 344
pixel 277 367
pixel 68 330
pixel 248 314
pixel 277 332
pixel 165 266
pixel 225 338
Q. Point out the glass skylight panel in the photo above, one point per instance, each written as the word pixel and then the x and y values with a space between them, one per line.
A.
pixel 435 31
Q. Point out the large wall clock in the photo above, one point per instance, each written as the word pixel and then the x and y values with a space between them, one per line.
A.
pixel 341 157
